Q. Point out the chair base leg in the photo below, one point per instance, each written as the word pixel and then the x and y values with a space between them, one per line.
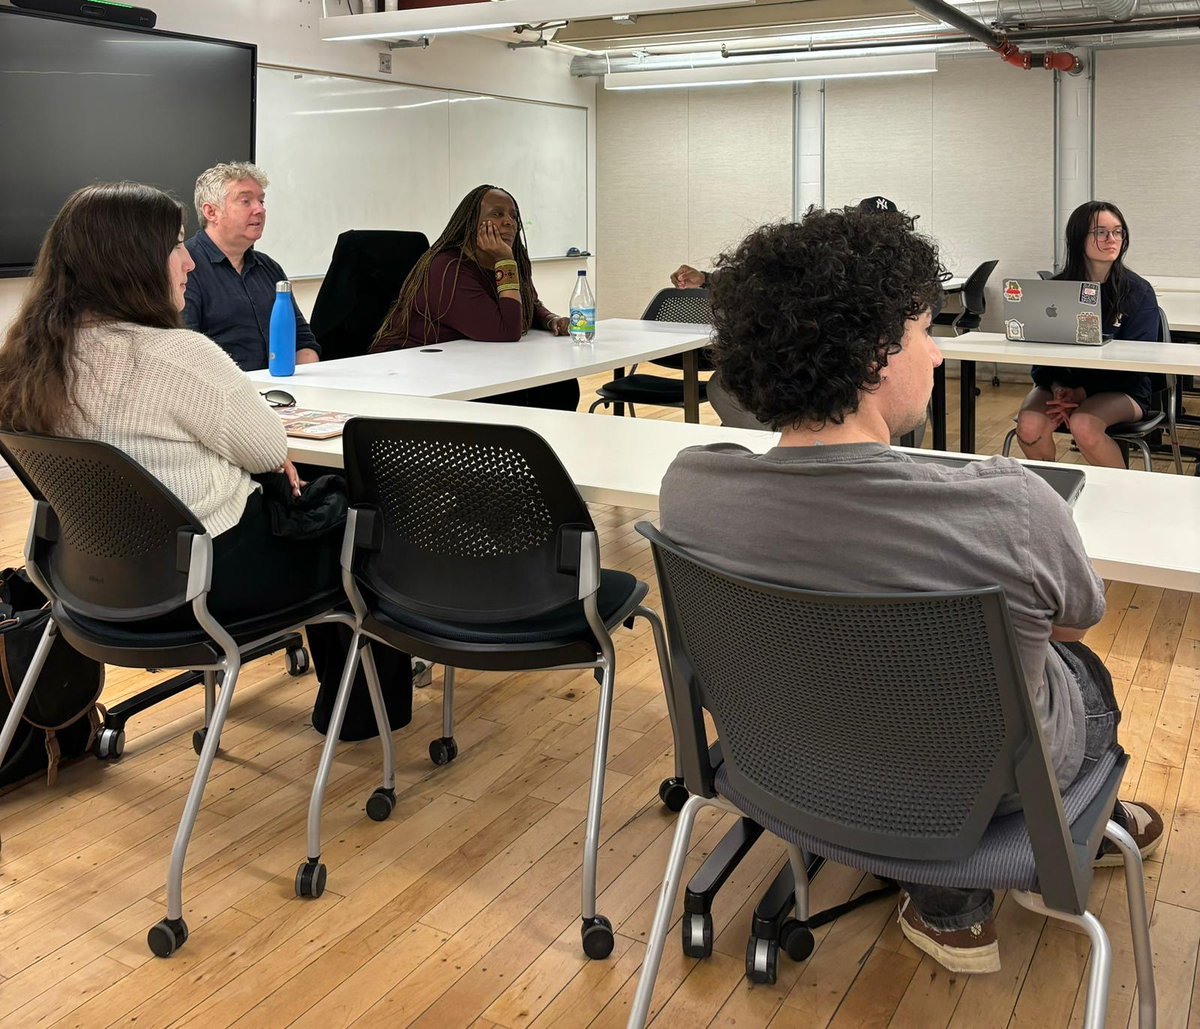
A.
pixel 1100 966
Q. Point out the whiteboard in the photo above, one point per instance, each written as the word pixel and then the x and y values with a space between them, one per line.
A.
pixel 344 153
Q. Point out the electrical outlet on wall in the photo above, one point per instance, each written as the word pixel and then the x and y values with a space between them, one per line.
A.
pixel 385 63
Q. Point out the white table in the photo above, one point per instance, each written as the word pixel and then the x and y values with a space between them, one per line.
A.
pixel 1120 355
pixel 1142 529
pixel 467 369
pixel 1182 309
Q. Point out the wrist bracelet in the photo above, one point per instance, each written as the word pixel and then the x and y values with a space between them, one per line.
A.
pixel 506 276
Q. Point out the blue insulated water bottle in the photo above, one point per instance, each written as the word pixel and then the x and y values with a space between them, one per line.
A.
pixel 283 332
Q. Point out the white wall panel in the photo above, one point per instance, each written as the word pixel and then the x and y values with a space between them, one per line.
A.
pixel 993 171
pixel 1148 153
pixel 682 175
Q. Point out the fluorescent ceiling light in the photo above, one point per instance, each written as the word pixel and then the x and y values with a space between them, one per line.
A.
pixel 728 74
pixel 498 14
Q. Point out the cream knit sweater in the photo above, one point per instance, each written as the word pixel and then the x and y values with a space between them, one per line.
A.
pixel 177 404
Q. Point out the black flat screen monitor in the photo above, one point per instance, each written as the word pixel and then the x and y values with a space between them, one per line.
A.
pixel 84 102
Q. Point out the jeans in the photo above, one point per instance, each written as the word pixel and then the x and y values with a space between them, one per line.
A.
pixel 947 908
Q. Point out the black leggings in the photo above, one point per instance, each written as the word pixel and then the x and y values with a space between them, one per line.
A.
pixel 256 572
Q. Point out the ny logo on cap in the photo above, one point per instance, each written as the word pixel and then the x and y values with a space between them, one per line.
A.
pixel 881 203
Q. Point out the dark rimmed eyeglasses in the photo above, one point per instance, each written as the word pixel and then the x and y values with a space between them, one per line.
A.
pixel 278 398
pixel 1103 235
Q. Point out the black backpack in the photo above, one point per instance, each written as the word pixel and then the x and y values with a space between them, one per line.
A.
pixel 63 715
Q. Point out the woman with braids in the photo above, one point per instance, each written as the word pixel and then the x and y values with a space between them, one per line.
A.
pixel 1088 401
pixel 476 282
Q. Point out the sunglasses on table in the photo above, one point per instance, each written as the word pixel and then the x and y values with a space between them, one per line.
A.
pixel 278 398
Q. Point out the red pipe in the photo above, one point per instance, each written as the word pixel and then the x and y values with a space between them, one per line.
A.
pixel 1010 53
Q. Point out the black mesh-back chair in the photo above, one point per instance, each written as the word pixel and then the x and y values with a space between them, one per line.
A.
pixel 974 303
pixel 1161 415
pixel 112 548
pixel 468 545
pixel 365 274
pixel 829 708
pixel 669 305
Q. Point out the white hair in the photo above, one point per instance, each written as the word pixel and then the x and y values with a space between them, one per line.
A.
pixel 211 183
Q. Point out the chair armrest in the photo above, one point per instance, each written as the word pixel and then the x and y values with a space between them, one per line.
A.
pixel 577 552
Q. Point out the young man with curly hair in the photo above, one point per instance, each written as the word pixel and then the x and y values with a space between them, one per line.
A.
pixel 822 332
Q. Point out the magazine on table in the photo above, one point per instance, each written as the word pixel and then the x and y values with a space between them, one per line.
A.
pixel 307 424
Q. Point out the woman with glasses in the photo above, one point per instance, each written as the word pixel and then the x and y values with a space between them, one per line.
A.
pixel 1087 401
pixel 476 282
pixel 98 351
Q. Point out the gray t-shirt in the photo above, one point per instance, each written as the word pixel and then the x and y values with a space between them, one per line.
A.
pixel 862 517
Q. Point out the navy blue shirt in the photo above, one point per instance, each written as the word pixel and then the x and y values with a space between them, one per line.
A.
pixel 233 310
pixel 1134 317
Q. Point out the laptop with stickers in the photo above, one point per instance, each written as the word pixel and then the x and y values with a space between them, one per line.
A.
pixel 1053 311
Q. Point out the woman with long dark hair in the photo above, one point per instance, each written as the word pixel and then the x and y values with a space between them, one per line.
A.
pixel 1087 401
pixel 476 282
pixel 98 351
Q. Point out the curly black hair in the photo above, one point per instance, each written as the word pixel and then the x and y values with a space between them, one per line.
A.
pixel 807 313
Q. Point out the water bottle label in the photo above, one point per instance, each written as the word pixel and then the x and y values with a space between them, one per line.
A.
pixel 583 319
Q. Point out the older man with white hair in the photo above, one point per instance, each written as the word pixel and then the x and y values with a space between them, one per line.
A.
pixel 231 292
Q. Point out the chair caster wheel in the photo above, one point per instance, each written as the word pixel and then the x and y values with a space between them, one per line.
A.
pixel 110 744
pixel 443 750
pixel 310 879
pixel 297 661
pixel 762 960
pixel 796 939
pixel 380 804
pixel 673 794
pixel 167 937
pixel 198 738
pixel 597 937
pixel 697 935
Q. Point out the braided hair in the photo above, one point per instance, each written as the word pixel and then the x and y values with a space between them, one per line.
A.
pixel 459 236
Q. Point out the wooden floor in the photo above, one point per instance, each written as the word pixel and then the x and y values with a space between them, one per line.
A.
pixel 462 910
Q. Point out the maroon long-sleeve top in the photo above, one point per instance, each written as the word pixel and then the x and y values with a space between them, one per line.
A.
pixel 459 300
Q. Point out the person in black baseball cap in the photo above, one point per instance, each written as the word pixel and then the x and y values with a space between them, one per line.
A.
pixel 880 204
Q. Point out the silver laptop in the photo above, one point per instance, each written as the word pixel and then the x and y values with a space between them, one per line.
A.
pixel 1053 311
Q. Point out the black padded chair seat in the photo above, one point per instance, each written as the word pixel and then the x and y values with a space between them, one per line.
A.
pixel 656 390
pixel 1151 421
pixel 508 645
pixel 133 645
pixel 1004 857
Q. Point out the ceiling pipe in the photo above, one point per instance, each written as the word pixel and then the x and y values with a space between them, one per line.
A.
pixel 1009 52
pixel 1117 10
pixel 1059 32
pixel 1031 34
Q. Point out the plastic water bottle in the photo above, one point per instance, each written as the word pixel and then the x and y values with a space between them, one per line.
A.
pixel 583 311
pixel 283 332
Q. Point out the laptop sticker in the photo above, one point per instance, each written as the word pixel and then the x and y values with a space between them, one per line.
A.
pixel 1087 328
pixel 1014 329
pixel 1089 294
pixel 1012 291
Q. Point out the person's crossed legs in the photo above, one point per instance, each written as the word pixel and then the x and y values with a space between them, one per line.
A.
pixel 1087 418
